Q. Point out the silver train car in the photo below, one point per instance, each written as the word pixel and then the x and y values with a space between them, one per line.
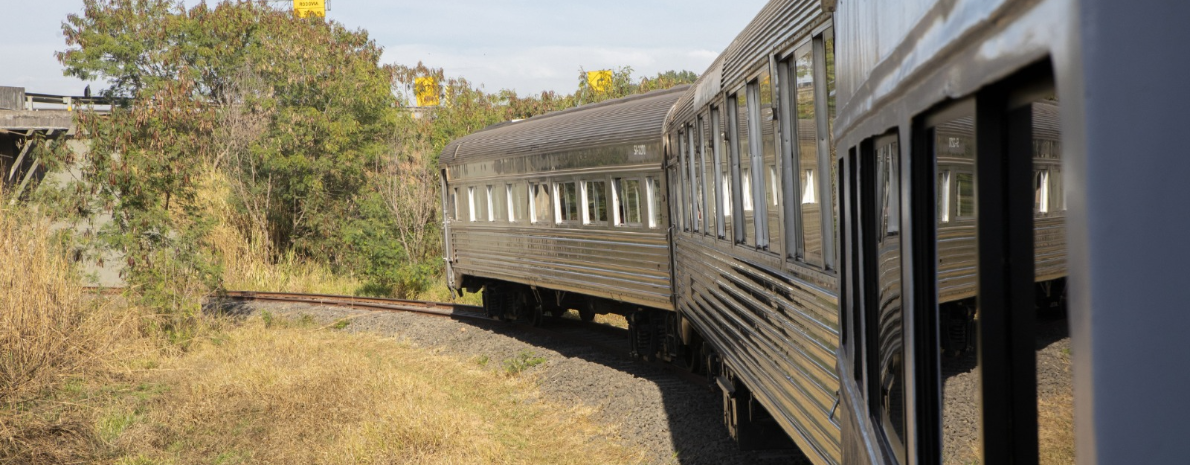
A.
pixel 870 200
pixel 1012 155
pixel 562 211
pixel 755 269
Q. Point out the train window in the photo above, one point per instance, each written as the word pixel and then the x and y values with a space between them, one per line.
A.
pixel 566 209
pixel 654 194
pixel 887 317
pixel 824 51
pixel 487 204
pixel 956 280
pixel 540 208
pixel 1041 191
pixel 733 144
pixel 480 204
pixel 944 196
pixel 684 185
pixel 454 203
pixel 595 198
pixel 626 193
pixel 709 179
pixel 771 194
pixel 965 195
pixel 518 200
pixel 743 142
pixel 724 178
pixel 810 207
pixel 471 203
pixel 497 205
pixel 696 183
pixel 756 144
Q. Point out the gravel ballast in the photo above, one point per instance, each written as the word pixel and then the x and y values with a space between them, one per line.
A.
pixel 669 418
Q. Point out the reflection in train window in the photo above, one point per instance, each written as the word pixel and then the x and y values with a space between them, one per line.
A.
pixel 771 195
pixel 890 355
pixel 956 283
pixel 595 197
pixel 487 205
pixel 743 142
pixel 654 194
pixel 807 154
pixel 541 203
pixel 566 208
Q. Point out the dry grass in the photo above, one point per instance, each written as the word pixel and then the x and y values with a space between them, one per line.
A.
pixel 250 265
pixel 294 393
pixel 1055 425
pixel 48 326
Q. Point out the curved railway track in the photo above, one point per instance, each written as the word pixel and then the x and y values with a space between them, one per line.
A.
pixel 609 339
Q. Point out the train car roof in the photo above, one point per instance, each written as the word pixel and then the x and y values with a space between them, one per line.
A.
pixel 633 119
pixel 779 25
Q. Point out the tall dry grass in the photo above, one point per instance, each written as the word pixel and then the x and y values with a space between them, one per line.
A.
pixel 252 265
pixel 49 328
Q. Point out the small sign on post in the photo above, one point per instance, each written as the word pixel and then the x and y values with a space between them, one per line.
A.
pixel 307 8
pixel 600 81
pixel 426 90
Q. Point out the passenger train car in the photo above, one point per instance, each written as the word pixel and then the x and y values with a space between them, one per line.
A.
pixel 562 211
pixel 869 202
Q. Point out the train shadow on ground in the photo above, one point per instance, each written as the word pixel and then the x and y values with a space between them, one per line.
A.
pixel 693 412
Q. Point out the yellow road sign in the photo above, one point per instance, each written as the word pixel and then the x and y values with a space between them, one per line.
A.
pixel 305 8
pixel 426 90
pixel 600 81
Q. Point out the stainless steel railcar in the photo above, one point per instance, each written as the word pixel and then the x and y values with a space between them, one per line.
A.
pixel 562 211
pixel 1043 129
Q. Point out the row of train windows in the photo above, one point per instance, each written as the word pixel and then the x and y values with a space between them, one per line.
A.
pixel 625 202
pixel 956 194
pixel 763 150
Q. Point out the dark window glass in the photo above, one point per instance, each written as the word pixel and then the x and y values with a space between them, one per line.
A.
pixel 481 203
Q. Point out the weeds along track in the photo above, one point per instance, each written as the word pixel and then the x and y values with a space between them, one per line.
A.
pixel 609 339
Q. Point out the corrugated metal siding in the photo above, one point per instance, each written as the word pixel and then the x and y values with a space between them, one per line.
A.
pixel 637 118
pixel 778 331
pixel 629 267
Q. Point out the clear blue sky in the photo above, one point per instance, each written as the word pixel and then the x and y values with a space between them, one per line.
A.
pixel 525 45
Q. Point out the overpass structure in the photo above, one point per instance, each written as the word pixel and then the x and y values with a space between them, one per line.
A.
pixel 22 126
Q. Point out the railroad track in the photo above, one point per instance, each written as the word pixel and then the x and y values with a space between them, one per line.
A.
pixel 601 337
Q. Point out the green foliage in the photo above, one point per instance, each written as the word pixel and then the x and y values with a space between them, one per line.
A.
pixel 523 361
pixel 322 155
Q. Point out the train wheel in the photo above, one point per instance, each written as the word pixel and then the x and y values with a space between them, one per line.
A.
pixel 536 315
pixel 587 313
